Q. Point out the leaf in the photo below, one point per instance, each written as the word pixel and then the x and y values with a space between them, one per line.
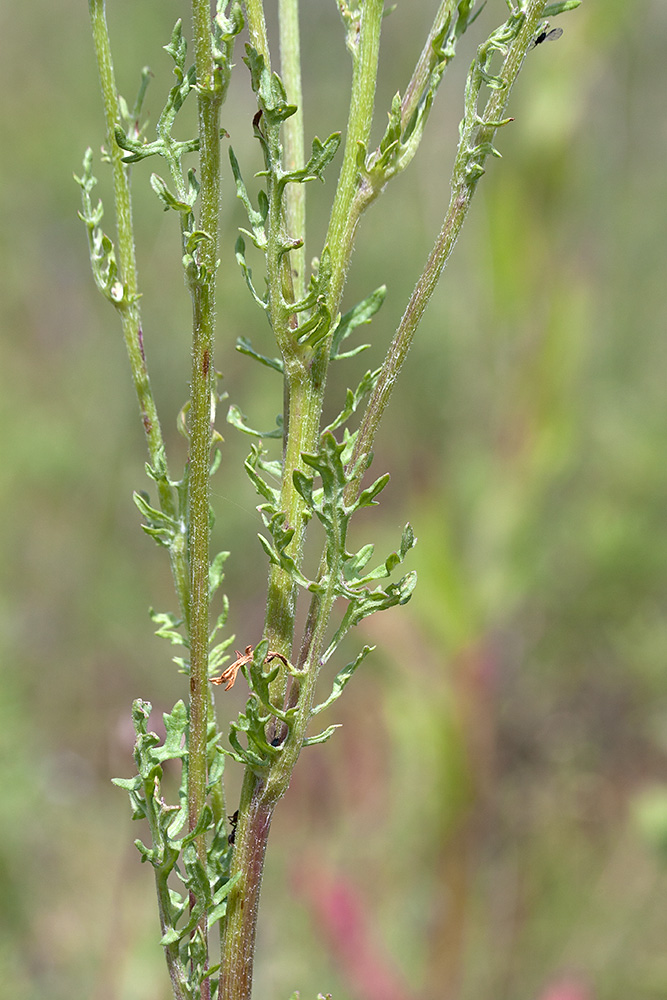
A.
pixel 161 526
pixel 341 679
pixel 559 8
pixel 367 497
pixel 247 273
pixel 321 155
pixel 256 218
pixel 215 572
pixel 138 149
pixel 360 314
pixel 353 399
pixel 177 47
pixel 166 197
pixel 244 346
pixel 220 900
pixel 252 464
pixel 175 724
pixel 237 419
pixel 311 741
pixel 168 627
pixel 269 88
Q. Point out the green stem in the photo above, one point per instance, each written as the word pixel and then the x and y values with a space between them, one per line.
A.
pixel 254 11
pixel 293 141
pixel 127 265
pixel 427 60
pixel 202 288
pixel 345 212
pixel 128 307
pixel 477 135
pixel 305 374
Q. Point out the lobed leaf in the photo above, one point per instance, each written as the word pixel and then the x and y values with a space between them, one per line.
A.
pixel 341 679
pixel 243 346
pixel 360 314
pixel 237 419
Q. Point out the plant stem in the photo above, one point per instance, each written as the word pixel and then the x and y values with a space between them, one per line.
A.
pixel 202 289
pixel 344 214
pixel 293 141
pixel 476 143
pixel 257 29
pixel 129 306
pixel 420 77
pixel 238 938
pixel 306 375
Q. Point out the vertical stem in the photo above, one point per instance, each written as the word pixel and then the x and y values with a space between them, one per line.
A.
pixel 238 938
pixel 293 141
pixel 202 287
pixel 344 217
pixel 257 29
pixel 305 377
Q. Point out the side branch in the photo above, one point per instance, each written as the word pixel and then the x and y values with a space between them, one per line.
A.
pixel 513 40
pixel 126 301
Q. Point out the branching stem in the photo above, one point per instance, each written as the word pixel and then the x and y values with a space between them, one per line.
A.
pixel 475 145
pixel 278 729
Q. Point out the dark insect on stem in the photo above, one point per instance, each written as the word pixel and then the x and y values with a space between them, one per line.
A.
pixel 233 821
pixel 547 36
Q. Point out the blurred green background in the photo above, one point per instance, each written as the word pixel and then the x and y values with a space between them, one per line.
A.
pixel 491 821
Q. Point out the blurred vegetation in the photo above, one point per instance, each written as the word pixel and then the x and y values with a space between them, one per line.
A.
pixel 491 821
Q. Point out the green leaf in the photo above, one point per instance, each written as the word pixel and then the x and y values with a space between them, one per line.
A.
pixel 166 197
pixel 559 8
pixel 353 399
pixel 311 741
pixel 360 314
pixel 162 527
pixel 341 679
pixel 177 47
pixel 215 572
pixel 220 898
pixel 247 273
pixel 168 625
pixel 256 218
pixel 138 149
pixel 321 155
pixel 100 247
pixel 237 419
pixel 269 88
pixel 367 497
pixel 244 346
pixel 254 462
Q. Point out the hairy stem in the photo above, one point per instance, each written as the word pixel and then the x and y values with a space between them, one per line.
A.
pixel 254 11
pixel 422 72
pixel 293 142
pixel 129 306
pixel 306 375
pixel 238 939
pixel 202 288
pixel 477 135
pixel 344 215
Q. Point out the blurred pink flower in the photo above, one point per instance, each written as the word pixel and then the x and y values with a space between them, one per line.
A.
pixel 346 926
pixel 567 989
